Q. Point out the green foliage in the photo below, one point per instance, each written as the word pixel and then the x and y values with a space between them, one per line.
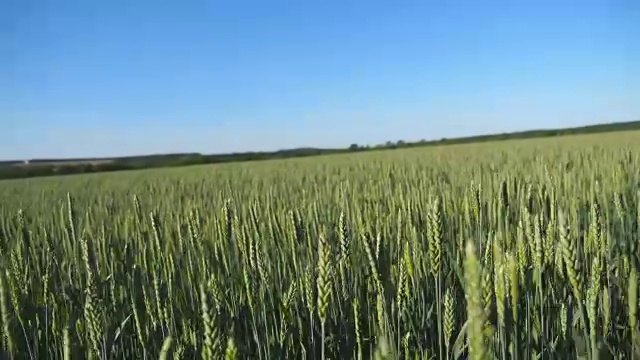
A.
pixel 378 254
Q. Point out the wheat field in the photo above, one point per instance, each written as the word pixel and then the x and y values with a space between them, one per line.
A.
pixel 509 250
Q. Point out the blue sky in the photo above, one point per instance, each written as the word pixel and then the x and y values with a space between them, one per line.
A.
pixel 108 78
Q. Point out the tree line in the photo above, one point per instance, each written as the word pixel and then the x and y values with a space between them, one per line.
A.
pixel 51 167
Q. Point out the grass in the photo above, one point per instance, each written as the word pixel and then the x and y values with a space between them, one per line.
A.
pixel 517 249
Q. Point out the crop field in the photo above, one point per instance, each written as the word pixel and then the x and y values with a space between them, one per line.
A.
pixel 511 250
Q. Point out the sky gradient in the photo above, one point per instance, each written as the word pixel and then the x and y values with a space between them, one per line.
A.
pixel 114 78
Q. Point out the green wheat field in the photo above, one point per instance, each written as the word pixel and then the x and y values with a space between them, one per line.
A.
pixel 510 250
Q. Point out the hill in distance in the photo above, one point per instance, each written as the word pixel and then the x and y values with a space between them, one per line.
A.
pixel 46 167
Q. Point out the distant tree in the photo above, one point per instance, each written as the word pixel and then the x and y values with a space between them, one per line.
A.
pixel 401 143
pixel 354 147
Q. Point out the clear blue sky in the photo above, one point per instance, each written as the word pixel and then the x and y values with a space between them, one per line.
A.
pixel 106 78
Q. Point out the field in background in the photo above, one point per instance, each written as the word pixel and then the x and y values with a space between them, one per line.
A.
pixel 54 167
pixel 517 249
